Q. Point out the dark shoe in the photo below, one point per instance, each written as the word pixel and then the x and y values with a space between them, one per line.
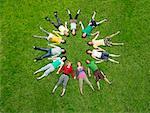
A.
pixel 47 18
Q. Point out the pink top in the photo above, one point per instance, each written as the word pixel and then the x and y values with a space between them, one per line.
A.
pixel 82 74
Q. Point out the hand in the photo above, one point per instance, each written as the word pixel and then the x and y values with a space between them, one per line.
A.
pixel 75 77
pixel 57 73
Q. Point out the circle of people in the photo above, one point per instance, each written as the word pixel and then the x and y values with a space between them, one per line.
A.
pixel 53 53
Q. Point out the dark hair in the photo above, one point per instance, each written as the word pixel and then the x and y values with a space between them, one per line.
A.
pixel 63 51
pixel 68 35
pixel 63 42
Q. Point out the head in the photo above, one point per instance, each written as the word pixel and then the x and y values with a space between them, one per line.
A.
pixel 79 63
pixel 63 51
pixel 84 35
pixel 66 33
pixel 90 43
pixel 89 52
pixel 87 61
pixel 69 63
pixel 73 32
pixel 63 41
pixel 64 58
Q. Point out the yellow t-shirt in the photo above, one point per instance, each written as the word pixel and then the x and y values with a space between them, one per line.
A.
pixel 56 39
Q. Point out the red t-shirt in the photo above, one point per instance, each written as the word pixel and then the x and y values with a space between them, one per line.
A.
pixel 67 70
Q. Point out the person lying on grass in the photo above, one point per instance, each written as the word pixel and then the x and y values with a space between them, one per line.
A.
pixel 62 29
pixel 81 76
pixel 57 63
pixel 73 21
pixel 52 38
pixel 104 42
pixel 98 74
pixel 64 78
pixel 92 24
pixel 54 51
pixel 101 55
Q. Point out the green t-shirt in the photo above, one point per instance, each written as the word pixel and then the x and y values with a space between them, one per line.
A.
pixel 88 30
pixel 56 63
pixel 92 65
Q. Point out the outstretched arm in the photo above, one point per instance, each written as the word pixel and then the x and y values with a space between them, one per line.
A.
pixel 95 58
pixel 59 69
pixel 65 24
pixel 100 49
pixel 96 34
pixel 56 32
pixel 81 25
pixel 113 34
pixel 52 45
pixel 100 61
pixel 89 72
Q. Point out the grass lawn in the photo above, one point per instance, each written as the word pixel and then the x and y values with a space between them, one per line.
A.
pixel 22 93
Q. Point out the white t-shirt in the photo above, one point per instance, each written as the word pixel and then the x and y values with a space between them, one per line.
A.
pixel 73 26
pixel 96 54
pixel 56 51
pixel 62 29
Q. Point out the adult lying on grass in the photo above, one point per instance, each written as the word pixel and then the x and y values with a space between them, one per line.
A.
pixel 53 38
pixel 55 51
pixel 62 29
pixel 57 63
pixel 73 21
pixel 101 55
pixel 104 42
pixel 98 74
pixel 81 76
pixel 92 24
pixel 64 78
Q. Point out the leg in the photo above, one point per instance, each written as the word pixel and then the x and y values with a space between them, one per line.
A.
pixel 81 85
pixel 51 69
pixel 55 25
pixel 107 80
pixel 66 78
pixel 43 30
pixel 43 68
pixel 113 61
pixel 98 85
pixel 58 83
pixel 41 49
pixel 42 37
pixel 76 17
pixel 93 17
pixel 58 19
pixel 117 44
pixel 113 55
pixel 70 16
pixel 43 56
pixel 89 83
pixel 81 25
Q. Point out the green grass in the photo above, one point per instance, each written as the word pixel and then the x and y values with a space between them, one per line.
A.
pixel 20 92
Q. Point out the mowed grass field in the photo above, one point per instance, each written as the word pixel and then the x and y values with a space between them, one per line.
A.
pixel 22 93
